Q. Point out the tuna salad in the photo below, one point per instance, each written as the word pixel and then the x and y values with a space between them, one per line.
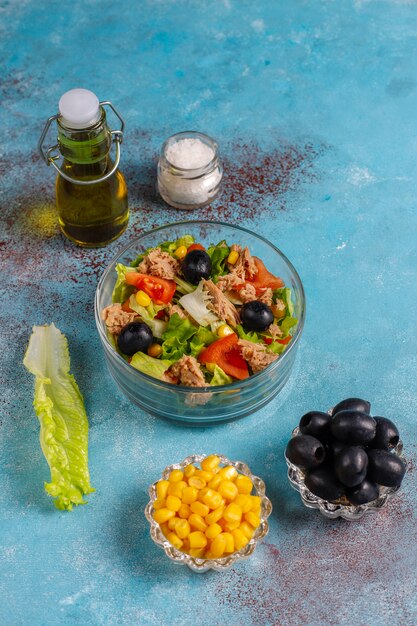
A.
pixel 196 316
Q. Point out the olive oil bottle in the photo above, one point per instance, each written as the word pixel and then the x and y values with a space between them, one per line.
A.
pixel 91 192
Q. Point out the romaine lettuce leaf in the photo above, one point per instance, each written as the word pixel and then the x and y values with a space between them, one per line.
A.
pixel 218 255
pixel 183 286
pixel 147 314
pixel 249 336
pixel 121 291
pixel 195 304
pixel 60 408
pixel 176 336
pixel 220 377
pixel 149 365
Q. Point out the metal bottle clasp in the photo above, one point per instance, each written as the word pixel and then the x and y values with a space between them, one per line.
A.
pixel 51 159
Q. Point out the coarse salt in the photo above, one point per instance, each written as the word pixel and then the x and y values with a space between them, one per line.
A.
pixel 189 154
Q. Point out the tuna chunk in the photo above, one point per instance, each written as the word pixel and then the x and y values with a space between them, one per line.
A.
pixel 159 263
pixel 245 267
pixel 256 354
pixel 115 318
pixel 229 282
pixel 188 372
pixel 174 308
pixel 278 309
pixel 275 330
pixel 265 296
pixel 248 293
pixel 220 305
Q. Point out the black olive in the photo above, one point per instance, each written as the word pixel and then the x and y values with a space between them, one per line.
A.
pixel 350 465
pixel 323 483
pixel 386 436
pixel 353 404
pixel 385 468
pixel 195 266
pixel 135 337
pixel 256 316
pixel 366 491
pixel 316 424
pixel 305 451
pixel 353 427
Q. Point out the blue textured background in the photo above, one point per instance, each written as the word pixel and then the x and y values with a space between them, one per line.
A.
pixel 314 105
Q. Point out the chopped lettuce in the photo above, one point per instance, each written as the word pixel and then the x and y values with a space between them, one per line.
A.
pixel 218 255
pixel 277 347
pixel 149 365
pixel 121 291
pixel 284 293
pixel 175 337
pixel 166 246
pixel 147 314
pixel 195 304
pixel 183 286
pixel 249 336
pixel 63 421
pixel 220 377
pixel 286 324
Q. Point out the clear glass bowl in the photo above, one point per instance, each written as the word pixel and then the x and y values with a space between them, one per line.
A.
pixel 343 509
pixel 202 565
pixel 204 405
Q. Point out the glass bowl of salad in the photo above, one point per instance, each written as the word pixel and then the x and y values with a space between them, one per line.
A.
pixel 200 321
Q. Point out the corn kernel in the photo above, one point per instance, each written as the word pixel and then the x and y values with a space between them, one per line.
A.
pixel 205 475
pixel 155 350
pixel 244 484
pixel 247 529
pixel 189 495
pixel 230 544
pixel 210 462
pixel 163 515
pixel 161 489
pixel 199 508
pixel 158 504
pixel 172 523
pixel 233 257
pixel 208 555
pixel 253 519
pixel 176 489
pixel 213 530
pixel 196 521
pixel 181 252
pixel 165 530
pixel 175 476
pixel 196 553
pixel 210 367
pixel 244 501
pixel 189 471
pixel 213 499
pixel 142 298
pixel 224 330
pixel 173 503
pixel 228 490
pixel 215 515
pixel 218 546
pixel 185 545
pixel 184 511
pixel 196 482
pixel 182 528
pixel 232 513
pixel 228 472
pixel 239 538
pixel 197 539
pixel 174 540
pixel 229 526
pixel 215 482
pixel 256 504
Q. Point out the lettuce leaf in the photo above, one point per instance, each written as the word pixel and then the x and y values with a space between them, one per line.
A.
pixel 195 304
pixel 147 315
pixel 218 255
pixel 220 377
pixel 60 408
pixel 284 293
pixel 176 336
pixel 121 291
pixel 183 286
pixel 149 365
pixel 250 336
pixel 166 246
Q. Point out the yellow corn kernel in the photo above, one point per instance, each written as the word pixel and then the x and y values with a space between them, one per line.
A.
pixel 210 367
pixel 199 508
pixel 155 350
pixel 228 472
pixel 205 475
pixel 165 529
pixel 196 482
pixel 215 515
pixel 173 503
pixel 175 476
pixel 202 492
pixel 224 330
pixel 233 257
pixel 181 252
pixel 253 519
pixel 255 504
pixel 208 555
pixel 210 462
pixel 244 501
pixel 197 539
pixel 185 545
pixel 175 489
pixel 184 511
pixel 196 521
pixel 197 553
pixel 218 546
pixel 189 495
pixel 182 528
pixel 244 484
pixel 230 544
pixel 213 499
pixel 163 515
pixel 213 530
pixel 161 489
pixel 215 482
pixel 189 471
pixel 142 298
pixel 228 490
pixel 232 513
pixel 158 504
pixel 174 540
pixel 239 538
pixel 172 523
pixel 229 526
pixel 247 529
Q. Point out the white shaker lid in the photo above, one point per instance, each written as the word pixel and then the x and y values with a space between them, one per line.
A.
pixel 79 108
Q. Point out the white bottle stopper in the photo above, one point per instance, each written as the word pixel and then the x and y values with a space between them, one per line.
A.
pixel 79 108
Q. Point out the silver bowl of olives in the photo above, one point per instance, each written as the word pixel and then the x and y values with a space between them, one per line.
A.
pixel 345 462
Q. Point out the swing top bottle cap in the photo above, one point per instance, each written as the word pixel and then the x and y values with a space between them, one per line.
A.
pixel 79 108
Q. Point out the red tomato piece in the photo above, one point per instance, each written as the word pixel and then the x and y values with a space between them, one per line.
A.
pixel 225 353
pixel 195 246
pixel 264 278
pixel 269 340
pixel 126 307
pixel 160 290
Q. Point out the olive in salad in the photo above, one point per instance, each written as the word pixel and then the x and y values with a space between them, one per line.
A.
pixel 196 316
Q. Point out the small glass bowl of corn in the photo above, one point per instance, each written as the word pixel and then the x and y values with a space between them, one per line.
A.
pixel 208 512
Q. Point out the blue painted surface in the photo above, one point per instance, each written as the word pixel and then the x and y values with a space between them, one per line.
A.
pixel 322 93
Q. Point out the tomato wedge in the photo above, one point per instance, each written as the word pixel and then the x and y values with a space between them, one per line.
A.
pixel 195 246
pixel 264 278
pixel 225 353
pixel 160 290
pixel 126 306
pixel 269 340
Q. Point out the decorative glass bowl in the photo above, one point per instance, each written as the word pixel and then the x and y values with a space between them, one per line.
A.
pixel 202 405
pixel 202 565
pixel 339 508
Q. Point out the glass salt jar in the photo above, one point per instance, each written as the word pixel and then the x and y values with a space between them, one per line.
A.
pixel 189 170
